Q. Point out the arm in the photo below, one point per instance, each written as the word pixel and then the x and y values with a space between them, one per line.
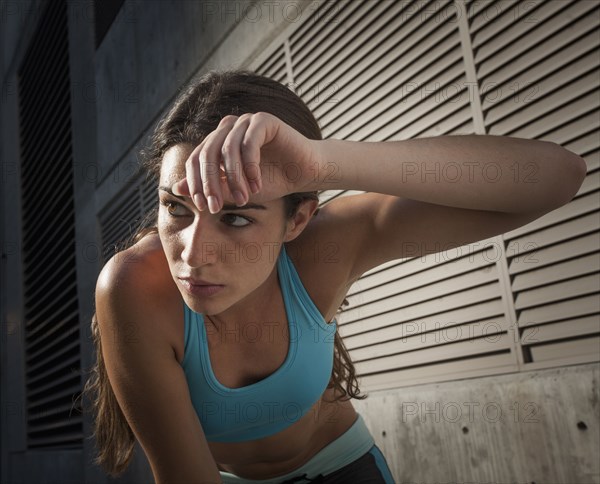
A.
pixel 427 195
pixel 147 380
pixel 479 172
pixel 434 194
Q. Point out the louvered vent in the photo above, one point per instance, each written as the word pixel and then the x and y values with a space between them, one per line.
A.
pixel 131 209
pixel 386 71
pixel 52 352
pixel 274 67
pixel 538 72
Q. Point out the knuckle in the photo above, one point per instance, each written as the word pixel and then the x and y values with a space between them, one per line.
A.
pixel 247 145
pixel 230 118
pixel 263 116
pixel 207 187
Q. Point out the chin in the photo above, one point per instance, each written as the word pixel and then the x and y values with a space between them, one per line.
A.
pixel 204 305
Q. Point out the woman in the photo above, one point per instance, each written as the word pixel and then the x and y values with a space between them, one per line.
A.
pixel 215 330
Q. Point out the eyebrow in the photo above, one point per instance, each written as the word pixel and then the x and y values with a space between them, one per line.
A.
pixel 226 206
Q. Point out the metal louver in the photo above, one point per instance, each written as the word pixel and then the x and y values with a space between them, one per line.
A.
pixel 387 71
pixel 52 351
pixel 131 208
pixel 538 74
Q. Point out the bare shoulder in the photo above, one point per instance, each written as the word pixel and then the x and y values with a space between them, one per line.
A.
pixel 324 260
pixel 144 261
pixel 133 312
pixel 136 282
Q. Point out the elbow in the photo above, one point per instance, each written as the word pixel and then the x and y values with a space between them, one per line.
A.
pixel 573 176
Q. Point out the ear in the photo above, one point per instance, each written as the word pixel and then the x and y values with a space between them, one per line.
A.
pixel 296 224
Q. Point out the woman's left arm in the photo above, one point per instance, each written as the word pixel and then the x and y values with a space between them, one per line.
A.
pixel 479 172
pixel 433 194
pixel 425 195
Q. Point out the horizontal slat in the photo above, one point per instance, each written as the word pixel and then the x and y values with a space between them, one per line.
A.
pixel 561 330
pixel 422 271
pixel 64 369
pixel 42 361
pixel 59 439
pixel 548 274
pixel 437 353
pixel 450 370
pixel 504 30
pixel 549 83
pixel 389 69
pixel 579 136
pixel 558 291
pixel 561 310
pixel 58 397
pixel 521 265
pixel 477 333
pixel 58 410
pixel 589 347
pixel 437 306
pixel 52 426
pixel 406 114
pixel 560 107
pixel 487 20
pixel 555 234
pixel 504 59
pixel 489 314
pixel 326 41
pixel 40 376
pixel 368 47
pixel 458 289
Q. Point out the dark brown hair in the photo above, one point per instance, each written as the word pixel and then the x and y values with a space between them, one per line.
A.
pixel 195 113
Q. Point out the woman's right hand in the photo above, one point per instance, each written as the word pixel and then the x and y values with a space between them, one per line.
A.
pixel 255 155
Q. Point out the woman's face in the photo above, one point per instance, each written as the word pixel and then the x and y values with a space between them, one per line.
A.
pixel 235 249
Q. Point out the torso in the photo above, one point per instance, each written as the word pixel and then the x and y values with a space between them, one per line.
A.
pixel 324 422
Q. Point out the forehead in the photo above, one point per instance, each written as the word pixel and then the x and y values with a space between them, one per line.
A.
pixel 172 167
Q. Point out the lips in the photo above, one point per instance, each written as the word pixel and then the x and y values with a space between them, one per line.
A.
pixel 200 287
pixel 198 282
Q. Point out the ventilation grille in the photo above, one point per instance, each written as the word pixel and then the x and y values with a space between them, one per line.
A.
pixel 52 351
pixel 538 74
pixel 133 208
pixel 386 71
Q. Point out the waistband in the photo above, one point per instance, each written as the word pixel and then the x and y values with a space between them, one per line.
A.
pixel 348 447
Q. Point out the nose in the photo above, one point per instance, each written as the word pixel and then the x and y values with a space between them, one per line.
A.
pixel 199 244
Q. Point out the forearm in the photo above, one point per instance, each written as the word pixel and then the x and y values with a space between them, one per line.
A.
pixel 482 172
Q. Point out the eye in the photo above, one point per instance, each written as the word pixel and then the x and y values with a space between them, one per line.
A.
pixel 173 208
pixel 236 220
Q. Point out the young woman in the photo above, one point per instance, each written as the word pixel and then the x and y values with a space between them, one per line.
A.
pixel 215 331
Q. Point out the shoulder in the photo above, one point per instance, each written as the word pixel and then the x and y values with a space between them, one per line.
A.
pixel 323 255
pixel 134 288
pixel 144 261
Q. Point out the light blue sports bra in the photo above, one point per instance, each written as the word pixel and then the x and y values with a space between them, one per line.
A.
pixel 282 398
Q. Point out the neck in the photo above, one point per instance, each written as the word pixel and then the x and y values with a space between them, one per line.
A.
pixel 252 308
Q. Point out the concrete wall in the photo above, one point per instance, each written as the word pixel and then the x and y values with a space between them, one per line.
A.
pixel 531 427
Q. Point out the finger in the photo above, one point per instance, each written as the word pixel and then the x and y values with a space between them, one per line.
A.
pixel 232 158
pixel 181 188
pixel 262 129
pixel 210 161
pixel 193 177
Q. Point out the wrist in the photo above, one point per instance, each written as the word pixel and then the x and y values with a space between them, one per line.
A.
pixel 324 171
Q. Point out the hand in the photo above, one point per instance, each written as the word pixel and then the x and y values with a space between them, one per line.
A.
pixel 254 155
